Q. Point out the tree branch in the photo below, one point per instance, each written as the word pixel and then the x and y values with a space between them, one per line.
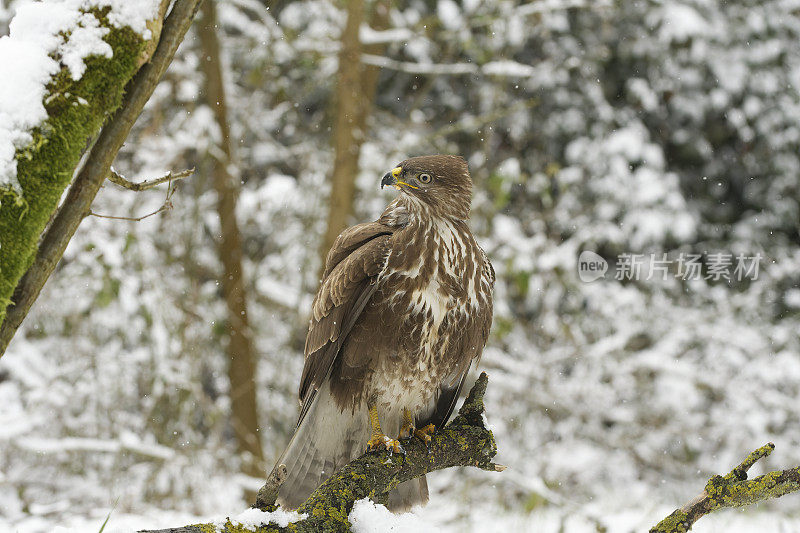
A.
pixel 732 490
pixel 166 206
pixel 122 181
pixel 463 442
pixel 95 169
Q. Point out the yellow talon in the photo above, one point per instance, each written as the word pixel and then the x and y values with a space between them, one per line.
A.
pixel 375 443
pixel 379 441
pixel 382 442
pixel 424 434
pixel 408 428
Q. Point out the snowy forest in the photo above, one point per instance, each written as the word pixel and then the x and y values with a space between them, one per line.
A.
pixel 636 171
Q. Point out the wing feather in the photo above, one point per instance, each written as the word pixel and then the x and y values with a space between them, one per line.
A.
pixel 352 267
pixel 351 239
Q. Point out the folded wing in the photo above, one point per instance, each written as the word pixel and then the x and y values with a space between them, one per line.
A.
pixel 352 267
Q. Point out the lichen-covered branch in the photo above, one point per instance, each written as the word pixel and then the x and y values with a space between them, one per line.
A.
pixel 732 490
pixel 463 442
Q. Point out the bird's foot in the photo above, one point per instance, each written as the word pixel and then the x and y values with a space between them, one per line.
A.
pixel 380 442
pixel 424 434
pixel 406 430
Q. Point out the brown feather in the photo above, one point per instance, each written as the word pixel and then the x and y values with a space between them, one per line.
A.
pixel 341 298
pixel 351 239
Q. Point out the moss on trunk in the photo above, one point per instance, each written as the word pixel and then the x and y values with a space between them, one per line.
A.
pixel 76 110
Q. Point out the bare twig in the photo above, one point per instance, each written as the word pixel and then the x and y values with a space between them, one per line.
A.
pixel 122 181
pixel 732 490
pixel 166 206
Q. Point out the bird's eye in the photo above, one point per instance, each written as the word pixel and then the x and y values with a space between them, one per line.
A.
pixel 425 178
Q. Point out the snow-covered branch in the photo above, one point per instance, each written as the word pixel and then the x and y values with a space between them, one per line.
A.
pixel 57 153
pixel 501 68
pixel 125 444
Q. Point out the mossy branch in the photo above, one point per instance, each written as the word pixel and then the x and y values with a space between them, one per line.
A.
pixel 76 109
pixel 21 225
pixel 463 442
pixel 732 490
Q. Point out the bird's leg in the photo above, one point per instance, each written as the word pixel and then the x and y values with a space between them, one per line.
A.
pixel 424 434
pixel 408 429
pixel 379 441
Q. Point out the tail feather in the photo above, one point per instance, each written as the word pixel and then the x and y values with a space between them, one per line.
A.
pixel 326 440
pixel 408 494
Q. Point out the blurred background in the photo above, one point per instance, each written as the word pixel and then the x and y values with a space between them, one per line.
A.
pixel 647 127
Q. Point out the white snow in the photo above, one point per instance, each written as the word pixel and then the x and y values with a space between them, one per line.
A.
pixel 682 22
pixel 371 36
pixel 370 517
pixel 509 68
pixel 449 14
pixel 255 518
pixel 40 32
pixel 135 15
pixel 792 298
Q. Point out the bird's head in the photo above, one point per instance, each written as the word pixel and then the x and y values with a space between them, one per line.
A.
pixel 441 182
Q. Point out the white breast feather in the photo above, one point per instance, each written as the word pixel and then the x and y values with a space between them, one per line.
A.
pixel 448 248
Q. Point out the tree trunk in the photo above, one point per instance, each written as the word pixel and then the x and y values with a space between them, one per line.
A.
pixel 355 94
pixel 240 352
pixel 379 20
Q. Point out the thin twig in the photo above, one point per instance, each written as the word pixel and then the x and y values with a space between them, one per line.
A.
pixel 122 181
pixel 166 206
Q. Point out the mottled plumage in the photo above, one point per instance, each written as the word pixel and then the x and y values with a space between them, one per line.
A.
pixel 404 308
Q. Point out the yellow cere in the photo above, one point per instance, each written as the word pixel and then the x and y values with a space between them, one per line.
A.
pixel 399 183
pixel 396 172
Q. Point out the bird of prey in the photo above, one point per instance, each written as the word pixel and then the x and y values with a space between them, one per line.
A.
pixel 403 309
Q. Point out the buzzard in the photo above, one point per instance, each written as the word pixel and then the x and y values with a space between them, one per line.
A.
pixel 403 309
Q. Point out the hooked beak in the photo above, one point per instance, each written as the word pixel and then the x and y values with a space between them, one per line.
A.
pixel 390 178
